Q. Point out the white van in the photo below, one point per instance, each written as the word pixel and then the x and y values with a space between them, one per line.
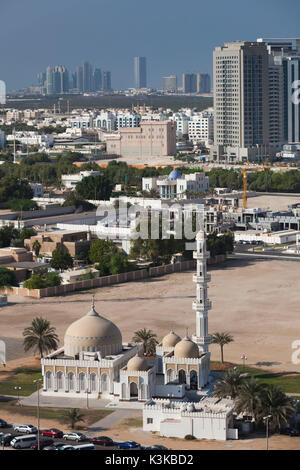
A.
pixel 84 447
pixel 23 442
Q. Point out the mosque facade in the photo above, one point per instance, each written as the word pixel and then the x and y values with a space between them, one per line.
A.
pixel 95 361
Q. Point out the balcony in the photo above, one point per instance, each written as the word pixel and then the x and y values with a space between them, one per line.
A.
pixel 200 256
pixel 202 306
pixel 199 279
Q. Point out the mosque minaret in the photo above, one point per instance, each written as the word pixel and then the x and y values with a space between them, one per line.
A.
pixel 202 304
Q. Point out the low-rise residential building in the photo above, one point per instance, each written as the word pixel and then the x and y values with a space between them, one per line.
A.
pixel 211 418
pixel 201 127
pixel 32 138
pixel 151 138
pixel 20 261
pixel 74 242
pixel 70 181
pixel 175 186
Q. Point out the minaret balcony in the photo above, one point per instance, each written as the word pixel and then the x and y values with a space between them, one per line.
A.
pixel 205 255
pixel 202 339
pixel 202 306
pixel 200 279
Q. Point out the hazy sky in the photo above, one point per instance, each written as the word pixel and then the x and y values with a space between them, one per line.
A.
pixel 176 36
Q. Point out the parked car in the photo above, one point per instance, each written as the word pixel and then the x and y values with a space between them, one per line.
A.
pixel 66 447
pixel 4 424
pixel 87 446
pixel 43 443
pixel 6 439
pixel 55 446
pixel 52 432
pixel 158 447
pixel 102 441
pixel 26 428
pixel 75 436
pixel 23 442
pixel 289 432
pixel 128 445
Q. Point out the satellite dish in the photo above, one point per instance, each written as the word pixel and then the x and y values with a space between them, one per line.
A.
pixel 2 353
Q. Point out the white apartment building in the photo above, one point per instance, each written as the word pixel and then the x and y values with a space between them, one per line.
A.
pixel 37 188
pixel 176 186
pixel 182 124
pixel 201 127
pixel 70 181
pixel 127 120
pixel 32 138
pixel 105 120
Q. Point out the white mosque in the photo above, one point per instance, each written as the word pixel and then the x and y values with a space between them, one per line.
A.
pixel 95 361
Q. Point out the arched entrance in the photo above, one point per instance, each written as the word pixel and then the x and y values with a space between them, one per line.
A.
pixel 182 376
pixel 104 381
pixel 59 380
pixel 49 380
pixel 71 381
pixel 193 380
pixel 133 390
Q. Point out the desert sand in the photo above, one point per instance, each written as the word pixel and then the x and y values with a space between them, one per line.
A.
pixel 257 302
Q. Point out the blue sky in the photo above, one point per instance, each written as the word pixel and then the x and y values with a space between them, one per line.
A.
pixel 176 36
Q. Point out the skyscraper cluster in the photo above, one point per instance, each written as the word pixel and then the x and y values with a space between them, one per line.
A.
pixel 191 83
pixel 255 98
pixel 58 80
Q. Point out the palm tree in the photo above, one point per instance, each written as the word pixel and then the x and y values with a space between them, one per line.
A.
pixel 250 399
pixel 148 338
pixel 222 339
pixel 73 416
pixel 229 385
pixel 36 247
pixel 40 336
pixel 277 404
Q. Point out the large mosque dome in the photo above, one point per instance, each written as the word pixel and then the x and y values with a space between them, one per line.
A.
pixel 170 340
pixel 187 349
pixel 174 175
pixel 92 333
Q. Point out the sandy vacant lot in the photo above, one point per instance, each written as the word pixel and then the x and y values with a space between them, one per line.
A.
pixel 256 301
pixel 272 203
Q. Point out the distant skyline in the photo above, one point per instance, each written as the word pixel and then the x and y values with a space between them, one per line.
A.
pixel 173 37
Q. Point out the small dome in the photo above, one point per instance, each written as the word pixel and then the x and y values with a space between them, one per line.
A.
pixel 190 408
pixel 186 348
pixel 174 175
pixel 93 333
pixel 170 340
pixel 137 363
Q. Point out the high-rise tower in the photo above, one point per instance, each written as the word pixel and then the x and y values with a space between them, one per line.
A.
pixel 202 304
pixel 140 72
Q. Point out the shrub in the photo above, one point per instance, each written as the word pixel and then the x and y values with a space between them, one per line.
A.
pixel 189 437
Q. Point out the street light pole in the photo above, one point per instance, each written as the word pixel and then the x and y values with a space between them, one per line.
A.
pixel 244 359
pixel 37 382
pixel 87 398
pixel 18 392
pixel 266 418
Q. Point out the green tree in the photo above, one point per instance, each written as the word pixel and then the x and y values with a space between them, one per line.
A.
pixel 7 234
pixel 148 338
pixel 250 399
pixel 101 252
pixel 61 259
pixel 222 339
pixel 73 416
pixel 119 263
pixel 40 336
pixel 7 278
pixel 277 404
pixel 229 385
pixel 42 280
pixel 95 187
pixel 36 246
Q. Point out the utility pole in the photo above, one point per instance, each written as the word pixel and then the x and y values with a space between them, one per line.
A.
pixel 266 418
pixel 38 382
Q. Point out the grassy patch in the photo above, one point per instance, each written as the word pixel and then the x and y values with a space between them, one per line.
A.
pixel 289 382
pixel 58 414
pixel 133 422
pixel 20 377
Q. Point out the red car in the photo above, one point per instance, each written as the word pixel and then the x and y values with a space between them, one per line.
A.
pixel 53 432
pixel 43 443
pixel 102 441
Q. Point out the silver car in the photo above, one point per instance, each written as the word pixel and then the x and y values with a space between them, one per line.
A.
pixel 26 428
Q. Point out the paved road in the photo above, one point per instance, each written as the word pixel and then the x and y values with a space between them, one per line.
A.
pixel 110 420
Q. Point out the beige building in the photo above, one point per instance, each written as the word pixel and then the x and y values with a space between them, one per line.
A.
pixel 152 138
pixel 241 102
